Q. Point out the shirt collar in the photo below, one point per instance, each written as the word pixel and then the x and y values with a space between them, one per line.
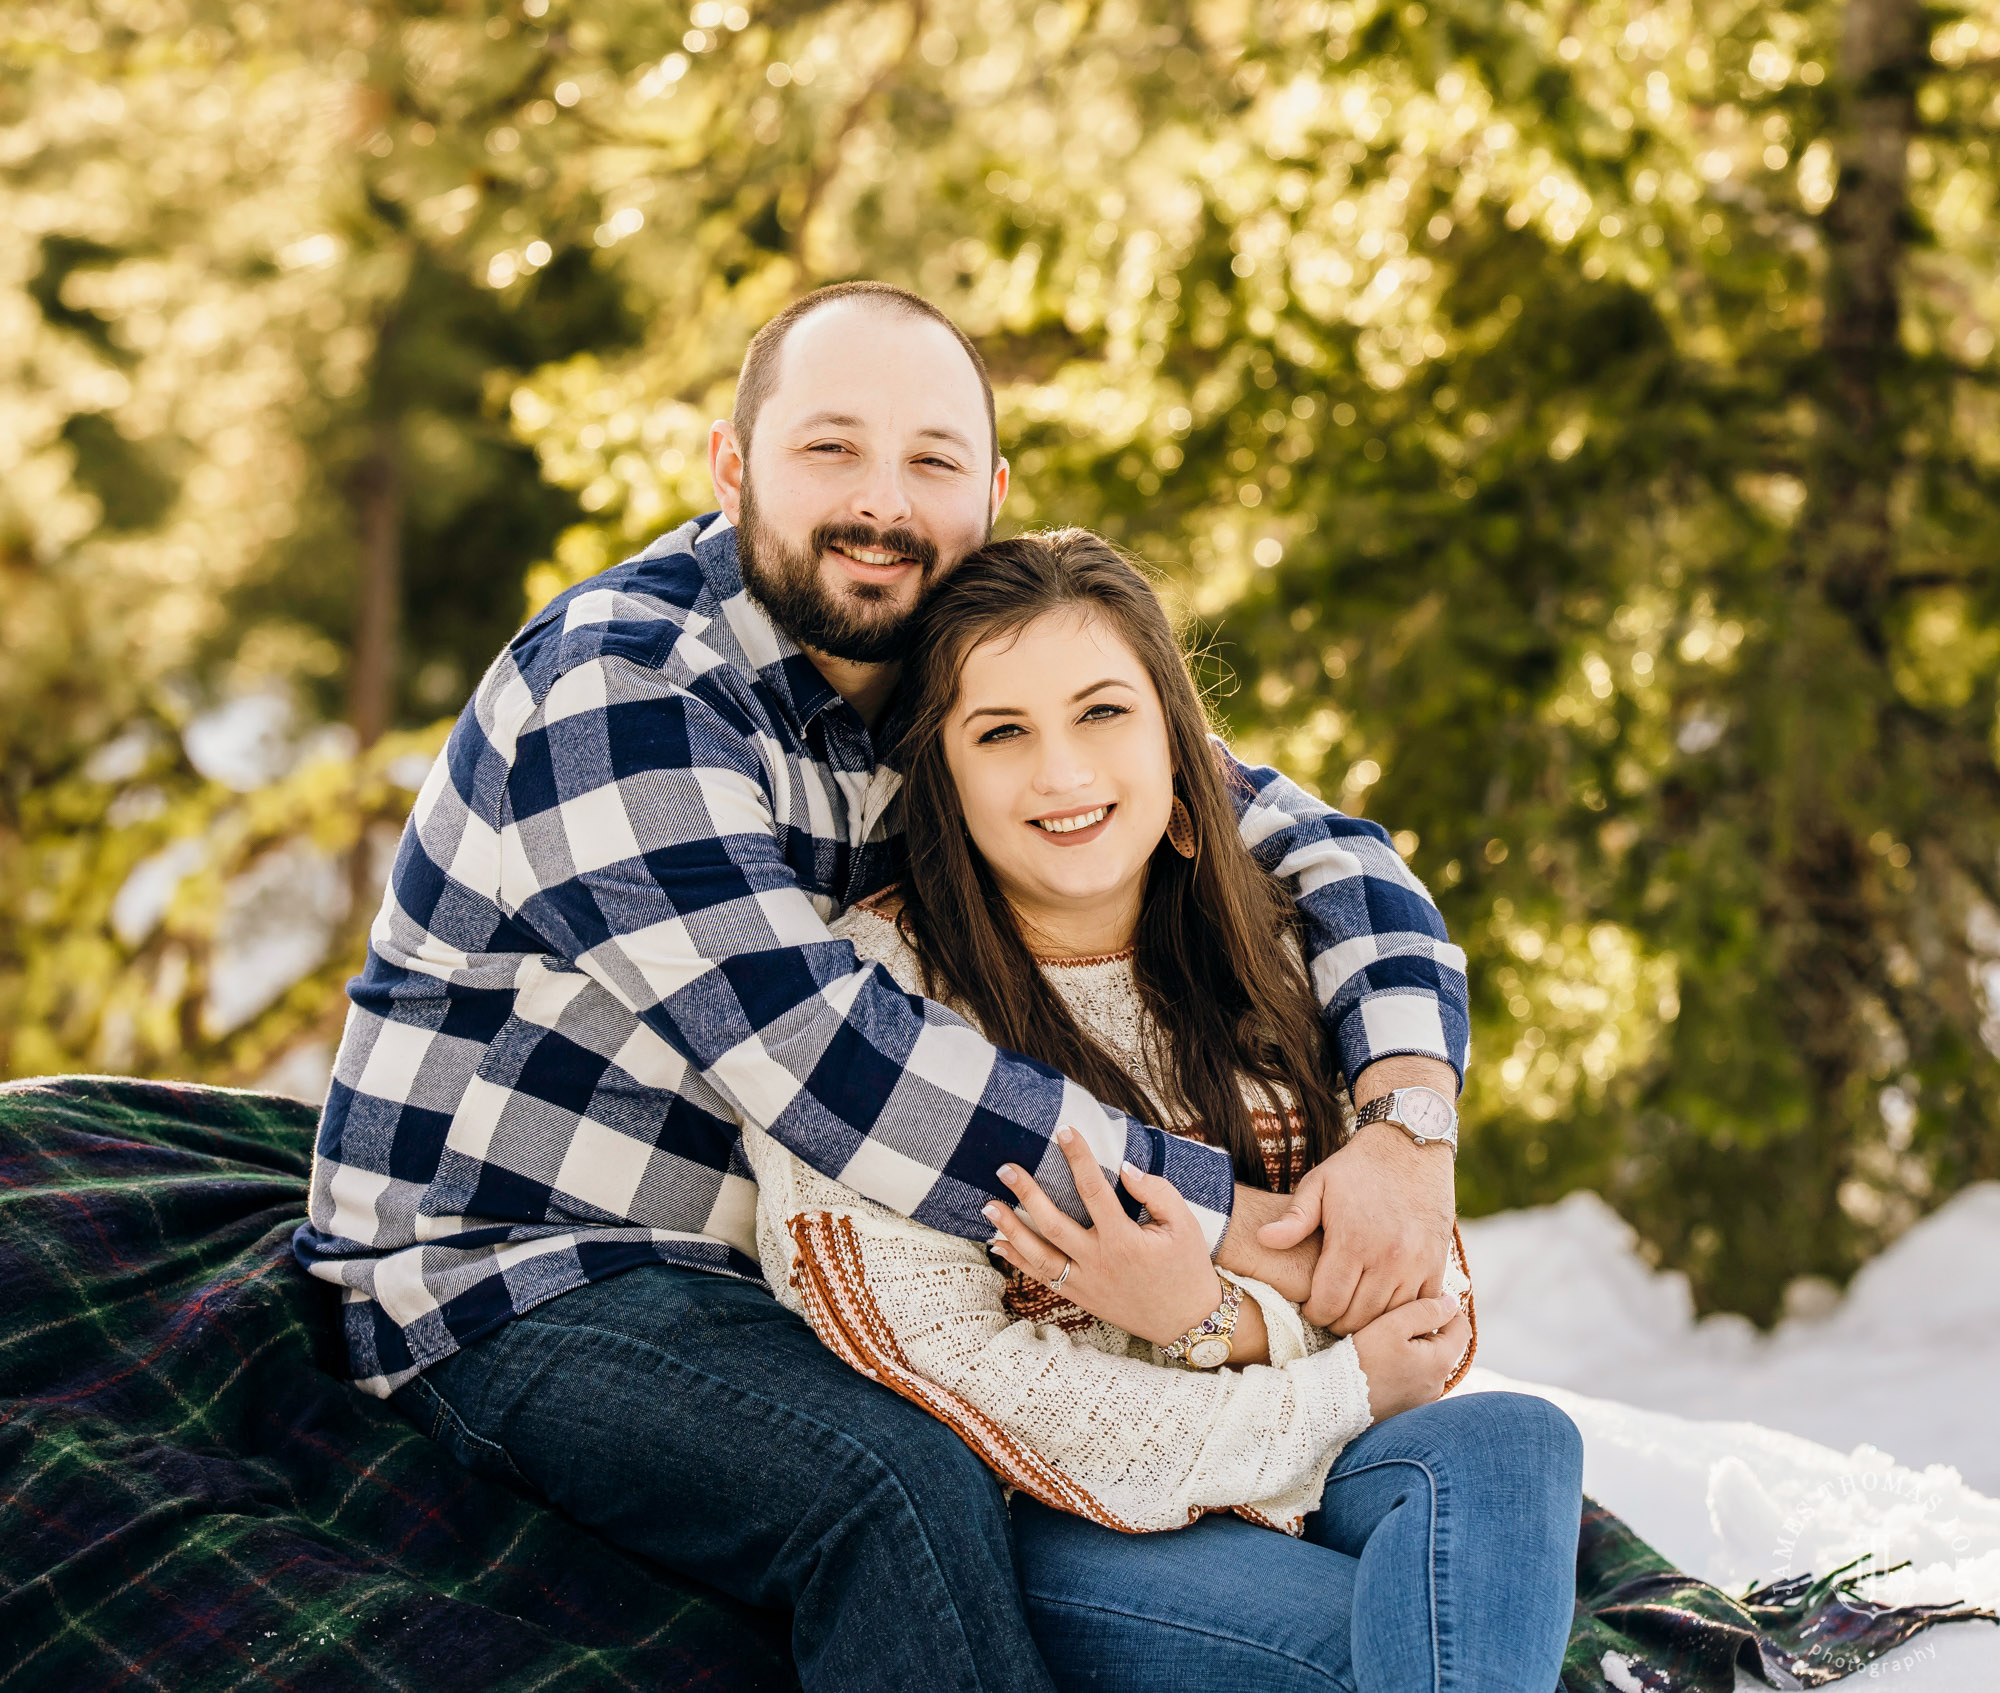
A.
pixel 780 663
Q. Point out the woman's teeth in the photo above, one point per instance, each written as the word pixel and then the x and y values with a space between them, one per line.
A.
pixel 1065 825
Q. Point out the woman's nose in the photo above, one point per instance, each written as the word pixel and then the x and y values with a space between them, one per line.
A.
pixel 1063 770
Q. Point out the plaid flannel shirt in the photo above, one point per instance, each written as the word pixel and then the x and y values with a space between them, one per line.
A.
pixel 603 949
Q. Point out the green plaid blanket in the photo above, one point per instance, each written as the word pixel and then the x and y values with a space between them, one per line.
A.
pixel 189 1496
pixel 1643 1626
pixel 191 1499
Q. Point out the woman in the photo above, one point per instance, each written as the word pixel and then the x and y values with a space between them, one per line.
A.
pixel 1078 888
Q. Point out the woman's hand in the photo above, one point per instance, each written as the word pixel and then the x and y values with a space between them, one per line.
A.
pixel 1408 1354
pixel 1151 1279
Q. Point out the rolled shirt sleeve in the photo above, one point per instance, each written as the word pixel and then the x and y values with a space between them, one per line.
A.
pixel 1388 980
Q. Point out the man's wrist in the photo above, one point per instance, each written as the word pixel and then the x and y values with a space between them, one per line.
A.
pixel 1252 1208
pixel 1405 1070
pixel 1289 1270
pixel 1391 1134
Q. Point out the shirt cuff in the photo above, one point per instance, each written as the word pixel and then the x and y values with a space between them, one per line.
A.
pixel 1397 1025
pixel 1205 1177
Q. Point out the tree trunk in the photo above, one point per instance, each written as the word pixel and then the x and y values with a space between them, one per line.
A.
pixel 1883 56
pixel 1830 680
pixel 379 498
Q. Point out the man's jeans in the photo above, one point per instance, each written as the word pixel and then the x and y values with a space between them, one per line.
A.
pixel 1442 1560
pixel 691 1418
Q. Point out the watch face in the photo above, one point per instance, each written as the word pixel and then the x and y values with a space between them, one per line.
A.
pixel 1425 1113
pixel 1209 1354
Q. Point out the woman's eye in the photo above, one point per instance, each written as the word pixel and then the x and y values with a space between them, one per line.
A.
pixel 1001 732
pixel 1104 713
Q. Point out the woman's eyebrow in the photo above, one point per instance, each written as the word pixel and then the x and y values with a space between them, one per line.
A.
pixel 1080 694
pixel 1099 687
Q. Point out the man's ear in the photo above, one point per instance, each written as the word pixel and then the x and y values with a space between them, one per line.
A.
pixel 1002 476
pixel 725 467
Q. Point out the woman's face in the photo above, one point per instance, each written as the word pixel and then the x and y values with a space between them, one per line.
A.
pixel 1058 749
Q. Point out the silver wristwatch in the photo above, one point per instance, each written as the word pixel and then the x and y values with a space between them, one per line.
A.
pixel 1423 1114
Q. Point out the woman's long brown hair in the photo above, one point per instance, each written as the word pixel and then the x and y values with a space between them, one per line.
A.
pixel 1227 993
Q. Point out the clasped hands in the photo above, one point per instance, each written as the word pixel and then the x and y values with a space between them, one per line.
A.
pixel 1360 1245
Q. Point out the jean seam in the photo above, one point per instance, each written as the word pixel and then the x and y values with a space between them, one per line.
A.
pixel 909 1505
pixel 1180 1627
pixel 417 1389
pixel 1430 1562
pixel 448 1412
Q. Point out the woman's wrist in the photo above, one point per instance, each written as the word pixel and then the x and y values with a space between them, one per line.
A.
pixel 1195 1318
pixel 1251 1343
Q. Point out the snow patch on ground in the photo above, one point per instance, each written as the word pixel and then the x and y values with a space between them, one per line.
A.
pixel 1908 1362
pixel 1746 1458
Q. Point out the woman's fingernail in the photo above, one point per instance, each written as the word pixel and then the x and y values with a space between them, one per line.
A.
pixel 1065 1134
pixel 1009 1173
pixel 998 1240
pixel 993 1213
pixel 1131 1169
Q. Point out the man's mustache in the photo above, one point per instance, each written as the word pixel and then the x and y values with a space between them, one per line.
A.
pixel 912 546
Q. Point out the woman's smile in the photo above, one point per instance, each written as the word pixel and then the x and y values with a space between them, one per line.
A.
pixel 1073 828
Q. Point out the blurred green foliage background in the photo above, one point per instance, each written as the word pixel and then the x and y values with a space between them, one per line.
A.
pixel 1571 428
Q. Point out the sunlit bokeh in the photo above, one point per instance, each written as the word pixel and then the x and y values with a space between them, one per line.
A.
pixel 1571 434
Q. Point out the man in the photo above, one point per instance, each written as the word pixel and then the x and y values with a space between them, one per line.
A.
pixel 603 948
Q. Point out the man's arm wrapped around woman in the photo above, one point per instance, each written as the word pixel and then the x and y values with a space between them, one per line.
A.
pixel 1078 1414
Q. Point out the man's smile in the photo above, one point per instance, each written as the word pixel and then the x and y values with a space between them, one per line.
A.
pixel 872 564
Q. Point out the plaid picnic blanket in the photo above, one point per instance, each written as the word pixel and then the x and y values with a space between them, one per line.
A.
pixel 191 1498
pixel 1643 1626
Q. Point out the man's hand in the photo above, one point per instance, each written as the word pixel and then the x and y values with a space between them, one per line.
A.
pixel 1386 1205
pixel 1243 1253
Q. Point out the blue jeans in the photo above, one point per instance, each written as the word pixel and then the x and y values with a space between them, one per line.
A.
pixel 692 1419
pixel 1442 1559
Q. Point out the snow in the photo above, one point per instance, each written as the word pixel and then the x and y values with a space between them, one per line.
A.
pixel 304 1073
pixel 258 736
pixel 278 922
pixel 1746 1458
pixel 246 741
pixel 143 897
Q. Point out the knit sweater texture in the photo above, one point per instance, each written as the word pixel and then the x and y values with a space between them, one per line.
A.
pixel 1078 1413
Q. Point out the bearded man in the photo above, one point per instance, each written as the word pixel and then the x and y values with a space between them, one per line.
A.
pixel 603 950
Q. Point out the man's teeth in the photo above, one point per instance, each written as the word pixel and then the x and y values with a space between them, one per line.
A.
pixel 1064 825
pixel 872 555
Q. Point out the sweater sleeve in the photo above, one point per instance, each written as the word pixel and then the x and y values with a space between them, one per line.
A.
pixel 1082 1417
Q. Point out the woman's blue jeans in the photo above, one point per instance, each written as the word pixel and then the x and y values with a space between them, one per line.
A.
pixel 1442 1559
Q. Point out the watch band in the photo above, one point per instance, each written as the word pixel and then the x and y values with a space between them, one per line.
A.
pixel 1208 1344
pixel 1422 1113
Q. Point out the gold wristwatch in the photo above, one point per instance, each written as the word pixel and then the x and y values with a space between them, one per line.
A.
pixel 1208 1344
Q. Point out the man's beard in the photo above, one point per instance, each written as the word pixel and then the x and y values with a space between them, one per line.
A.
pixel 862 624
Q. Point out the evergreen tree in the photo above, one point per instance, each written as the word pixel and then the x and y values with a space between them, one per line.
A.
pixel 1572 429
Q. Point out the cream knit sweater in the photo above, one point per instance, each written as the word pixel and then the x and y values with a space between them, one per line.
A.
pixel 1079 1414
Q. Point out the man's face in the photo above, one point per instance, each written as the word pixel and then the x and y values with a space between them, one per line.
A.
pixel 869 477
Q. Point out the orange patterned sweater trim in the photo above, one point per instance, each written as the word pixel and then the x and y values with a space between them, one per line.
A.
pixel 842 1310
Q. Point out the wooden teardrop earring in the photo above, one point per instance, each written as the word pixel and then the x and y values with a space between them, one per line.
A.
pixel 1180 829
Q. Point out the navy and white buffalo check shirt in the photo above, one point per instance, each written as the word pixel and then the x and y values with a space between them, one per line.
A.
pixel 604 948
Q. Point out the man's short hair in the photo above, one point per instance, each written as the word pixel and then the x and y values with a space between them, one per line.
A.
pixel 760 360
